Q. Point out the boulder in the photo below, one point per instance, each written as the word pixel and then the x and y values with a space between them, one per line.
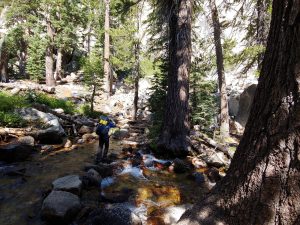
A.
pixel 121 134
pixel 17 150
pixel 217 159
pixel 91 178
pixel 86 130
pixel 59 111
pixel 245 103
pixel 233 104
pixel 47 148
pixel 71 183
pixel 104 170
pixel 80 141
pixel 68 144
pixel 180 166
pixel 60 207
pixel 116 214
pixel 54 134
pixel 171 214
pixel 27 140
pixel 88 137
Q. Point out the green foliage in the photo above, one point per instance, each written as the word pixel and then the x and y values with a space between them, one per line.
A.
pixel 157 100
pixel 86 111
pixel 52 102
pixel 11 119
pixel 204 103
pixel 92 69
pixel 8 104
pixel 36 58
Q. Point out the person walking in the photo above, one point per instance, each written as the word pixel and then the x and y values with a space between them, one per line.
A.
pixel 102 130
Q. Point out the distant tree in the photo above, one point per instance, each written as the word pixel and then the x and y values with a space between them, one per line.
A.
pixel 3 61
pixel 107 69
pixel 224 114
pixel 262 183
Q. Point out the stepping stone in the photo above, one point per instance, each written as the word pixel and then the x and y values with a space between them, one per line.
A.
pixel 70 183
pixel 60 207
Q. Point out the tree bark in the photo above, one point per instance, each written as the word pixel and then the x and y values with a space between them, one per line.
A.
pixel 50 81
pixel 3 62
pixel 137 66
pixel 262 183
pixel 93 98
pixel 107 71
pixel 174 139
pixel 58 70
pixel 262 24
pixel 224 114
pixel 136 80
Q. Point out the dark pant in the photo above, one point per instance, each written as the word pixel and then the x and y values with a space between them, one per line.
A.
pixel 103 148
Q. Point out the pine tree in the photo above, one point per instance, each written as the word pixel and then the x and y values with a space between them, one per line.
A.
pixel 261 186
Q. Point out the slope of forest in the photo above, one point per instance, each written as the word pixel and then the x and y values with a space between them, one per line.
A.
pixel 198 101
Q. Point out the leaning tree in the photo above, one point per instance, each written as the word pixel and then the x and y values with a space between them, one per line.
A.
pixel 262 185
pixel 174 137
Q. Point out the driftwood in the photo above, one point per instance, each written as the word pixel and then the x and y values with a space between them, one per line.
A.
pixel 214 144
pixel 18 131
pixel 27 87
pixel 70 119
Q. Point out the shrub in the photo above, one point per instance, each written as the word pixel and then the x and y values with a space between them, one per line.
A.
pixel 11 119
pixel 52 102
pixel 86 111
pixel 8 103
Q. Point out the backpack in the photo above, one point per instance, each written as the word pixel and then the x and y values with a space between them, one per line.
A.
pixel 102 129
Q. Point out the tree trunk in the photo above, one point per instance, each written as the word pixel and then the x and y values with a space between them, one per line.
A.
pixel 22 65
pixel 174 139
pixel 93 98
pixel 3 62
pixel 136 80
pixel 50 81
pixel 262 184
pixel 262 24
pixel 107 70
pixel 137 66
pixel 58 70
pixel 224 114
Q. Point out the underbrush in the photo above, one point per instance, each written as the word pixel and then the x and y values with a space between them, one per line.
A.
pixel 51 102
pixel 8 104
pixel 86 111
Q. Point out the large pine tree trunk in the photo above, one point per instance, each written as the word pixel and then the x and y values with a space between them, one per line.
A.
pixel 107 70
pixel 50 81
pixel 262 184
pixel 136 80
pixel 224 114
pixel 3 62
pixel 174 139
pixel 59 59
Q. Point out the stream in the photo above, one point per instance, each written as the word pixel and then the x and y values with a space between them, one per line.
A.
pixel 152 189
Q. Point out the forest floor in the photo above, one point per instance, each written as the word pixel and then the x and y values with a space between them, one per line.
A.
pixel 151 190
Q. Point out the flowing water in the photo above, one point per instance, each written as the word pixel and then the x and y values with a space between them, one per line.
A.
pixel 154 189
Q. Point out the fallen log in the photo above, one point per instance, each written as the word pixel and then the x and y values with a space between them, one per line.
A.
pixel 28 87
pixel 214 144
pixel 71 119
pixel 18 131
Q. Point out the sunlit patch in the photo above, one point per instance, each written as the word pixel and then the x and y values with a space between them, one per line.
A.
pixel 183 94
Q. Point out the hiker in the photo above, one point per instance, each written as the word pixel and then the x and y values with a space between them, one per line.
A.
pixel 102 131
